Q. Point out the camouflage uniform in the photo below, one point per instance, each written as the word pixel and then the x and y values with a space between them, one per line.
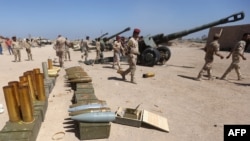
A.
pixel 133 51
pixel 27 46
pixel 117 52
pixel 236 54
pixel 211 49
pixel 66 52
pixel 16 50
pixel 98 50
pixel 84 44
pixel 60 48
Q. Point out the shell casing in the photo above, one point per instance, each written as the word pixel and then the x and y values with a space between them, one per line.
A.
pixel 26 104
pixel 15 84
pixel 50 66
pixel 11 103
pixel 40 87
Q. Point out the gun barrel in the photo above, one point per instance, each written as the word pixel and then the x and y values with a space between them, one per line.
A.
pixel 232 18
pixel 125 30
pixel 103 35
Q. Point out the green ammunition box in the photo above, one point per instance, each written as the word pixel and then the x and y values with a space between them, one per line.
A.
pixel 21 131
pixel 85 90
pixel 94 130
pixel 74 86
pixel 82 97
pixel 41 106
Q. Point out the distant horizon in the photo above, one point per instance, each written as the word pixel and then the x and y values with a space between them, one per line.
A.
pixel 78 19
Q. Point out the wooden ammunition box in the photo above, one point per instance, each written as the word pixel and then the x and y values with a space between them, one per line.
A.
pixel 82 97
pixel 135 117
pixel 94 130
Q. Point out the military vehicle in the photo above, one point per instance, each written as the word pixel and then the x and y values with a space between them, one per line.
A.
pixel 152 52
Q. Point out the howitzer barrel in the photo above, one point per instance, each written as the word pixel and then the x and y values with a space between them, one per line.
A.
pixel 125 30
pixel 232 18
pixel 103 35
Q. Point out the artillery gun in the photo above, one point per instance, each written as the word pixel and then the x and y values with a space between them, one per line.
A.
pixel 105 44
pixel 152 52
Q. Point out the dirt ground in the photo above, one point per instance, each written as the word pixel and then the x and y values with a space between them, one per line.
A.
pixel 196 110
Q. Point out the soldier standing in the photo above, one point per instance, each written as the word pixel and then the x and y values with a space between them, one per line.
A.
pixel 98 49
pixel 67 53
pixel 117 47
pixel 27 46
pixel 84 44
pixel 60 47
pixel 16 49
pixel 1 41
pixel 237 52
pixel 8 43
pixel 133 51
pixel 211 49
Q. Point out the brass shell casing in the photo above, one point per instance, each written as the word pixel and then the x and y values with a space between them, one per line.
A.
pixel 15 84
pixel 33 80
pixel 26 104
pixel 36 70
pixel 22 78
pixel 31 87
pixel 11 103
pixel 50 66
pixel 40 87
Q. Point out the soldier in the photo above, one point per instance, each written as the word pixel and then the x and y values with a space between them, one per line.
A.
pixel 211 49
pixel 133 51
pixel 8 44
pixel 117 47
pixel 16 49
pixel 60 47
pixel 84 45
pixel 67 53
pixel 98 49
pixel 1 41
pixel 237 52
pixel 27 46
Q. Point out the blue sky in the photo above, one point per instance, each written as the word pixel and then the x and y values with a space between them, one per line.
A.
pixel 78 18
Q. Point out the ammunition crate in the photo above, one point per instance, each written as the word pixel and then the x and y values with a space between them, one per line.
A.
pixel 94 130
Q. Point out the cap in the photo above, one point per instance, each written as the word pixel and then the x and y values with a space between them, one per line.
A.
pixel 136 30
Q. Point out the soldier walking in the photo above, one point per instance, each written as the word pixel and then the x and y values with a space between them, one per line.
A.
pixel 84 45
pixel 211 50
pixel 67 52
pixel 27 46
pixel 237 52
pixel 60 47
pixel 16 49
pixel 117 47
pixel 133 51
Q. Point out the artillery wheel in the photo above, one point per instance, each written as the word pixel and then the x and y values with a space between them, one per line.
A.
pixel 165 54
pixel 150 57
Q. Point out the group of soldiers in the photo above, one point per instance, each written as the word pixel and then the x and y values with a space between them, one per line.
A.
pixel 237 53
pixel 14 47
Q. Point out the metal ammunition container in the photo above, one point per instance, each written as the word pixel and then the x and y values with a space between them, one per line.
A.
pixel 40 87
pixel 94 130
pixel 91 110
pixel 73 69
pixel 15 85
pixel 95 117
pixel 26 104
pixel 11 103
pixel 76 75
pixel 80 80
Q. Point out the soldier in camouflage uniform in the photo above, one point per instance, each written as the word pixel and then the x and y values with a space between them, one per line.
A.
pixel 84 45
pixel 211 50
pixel 237 52
pixel 67 52
pixel 27 46
pixel 133 51
pixel 60 48
pixel 16 49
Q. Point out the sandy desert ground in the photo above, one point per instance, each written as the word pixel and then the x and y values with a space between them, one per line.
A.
pixel 196 110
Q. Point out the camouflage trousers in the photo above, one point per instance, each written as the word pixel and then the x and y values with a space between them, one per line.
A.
pixel 232 66
pixel 132 59
pixel 207 67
